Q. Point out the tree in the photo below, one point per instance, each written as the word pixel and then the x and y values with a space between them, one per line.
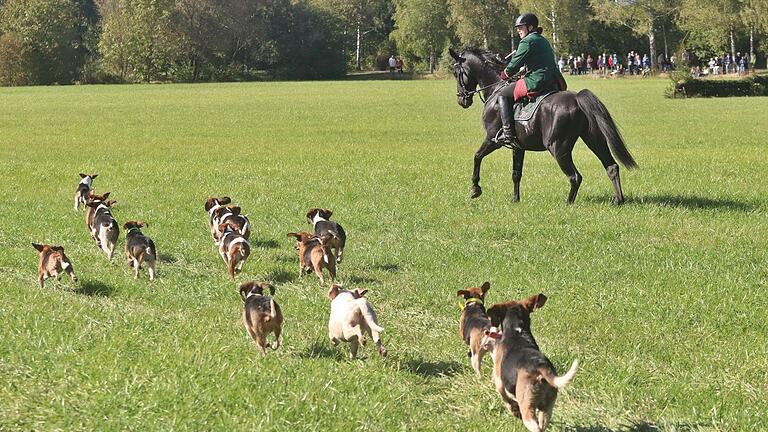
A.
pixel 482 22
pixel 422 28
pixel 641 16
pixel 563 19
pixel 711 24
pixel 13 67
pixel 48 31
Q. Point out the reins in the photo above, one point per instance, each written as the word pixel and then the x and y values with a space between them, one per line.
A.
pixel 468 94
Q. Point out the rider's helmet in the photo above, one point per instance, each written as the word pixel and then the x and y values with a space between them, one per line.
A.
pixel 527 19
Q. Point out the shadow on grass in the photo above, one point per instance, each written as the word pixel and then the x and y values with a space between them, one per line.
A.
pixel 389 267
pixel 634 426
pixel 428 369
pixel 94 288
pixel 280 276
pixel 362 279
pixel 265 244
pixel 166 258
pixel 320 349
pixel 679 201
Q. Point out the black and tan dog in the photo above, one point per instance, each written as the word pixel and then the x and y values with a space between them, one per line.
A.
pixel 233 248
pixel 314 254
pixel 525 379
pixel 83 188
pixel 320 219
pixel 104 228
pixel 139 248
pixel 261 315
pixel 52 263
pixel 475 326
pixel 211 205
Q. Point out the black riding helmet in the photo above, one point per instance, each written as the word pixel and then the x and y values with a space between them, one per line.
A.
pixel 527 19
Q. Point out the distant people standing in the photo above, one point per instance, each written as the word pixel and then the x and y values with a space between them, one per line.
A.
pixel 392 64
pixel 561 64
pixel 399 65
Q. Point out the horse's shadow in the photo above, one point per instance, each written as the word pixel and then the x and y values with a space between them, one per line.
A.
pixel 94 288
pixel 280 276
pixel 633 426
pixel 688 202
pixel 429 369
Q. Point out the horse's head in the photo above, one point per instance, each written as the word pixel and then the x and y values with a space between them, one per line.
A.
pixel 466 83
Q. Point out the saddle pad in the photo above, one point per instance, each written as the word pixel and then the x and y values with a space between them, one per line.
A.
pixel 525 111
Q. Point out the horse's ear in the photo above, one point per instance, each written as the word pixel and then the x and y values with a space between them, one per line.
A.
pixel 455 55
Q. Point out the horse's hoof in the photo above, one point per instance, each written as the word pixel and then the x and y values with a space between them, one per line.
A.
pixel 618 202
pixel 475 192
pixel 515 199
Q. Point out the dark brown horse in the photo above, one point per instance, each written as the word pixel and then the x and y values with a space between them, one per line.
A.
pixel 559 121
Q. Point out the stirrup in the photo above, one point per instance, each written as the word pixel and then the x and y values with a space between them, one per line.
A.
pixel 501 139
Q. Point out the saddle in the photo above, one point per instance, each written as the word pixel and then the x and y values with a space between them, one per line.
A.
pixel 526 108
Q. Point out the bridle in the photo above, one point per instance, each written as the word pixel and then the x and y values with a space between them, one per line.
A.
pixel 460 74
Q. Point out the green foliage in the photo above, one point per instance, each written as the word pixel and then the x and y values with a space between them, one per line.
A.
pixel 13 67
pixel 562 21
pixel 485 23
pixel 422 28
pixel 49 36
pixel 685 85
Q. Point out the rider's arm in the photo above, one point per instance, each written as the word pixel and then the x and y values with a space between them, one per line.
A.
pixel 518 60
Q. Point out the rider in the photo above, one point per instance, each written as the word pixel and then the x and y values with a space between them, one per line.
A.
pixel 542 75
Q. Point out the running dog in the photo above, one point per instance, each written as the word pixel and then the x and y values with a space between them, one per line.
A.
pixel 525 379
pixel 52 263
pixel 320 219
pixel 352 317
pixel 83 188
pixel 314 254
pixel 139 248
pixel 233 248
pixel 261 315
pixel 474 324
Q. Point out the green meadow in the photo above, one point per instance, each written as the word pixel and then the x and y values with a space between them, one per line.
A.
pixel 662 300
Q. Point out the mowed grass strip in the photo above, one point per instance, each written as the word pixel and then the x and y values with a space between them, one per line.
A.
pixel 662 300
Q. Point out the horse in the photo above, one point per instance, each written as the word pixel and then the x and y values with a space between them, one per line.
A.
pixel 558 122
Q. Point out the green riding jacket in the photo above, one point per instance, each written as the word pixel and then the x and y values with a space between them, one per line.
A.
pixel 536 53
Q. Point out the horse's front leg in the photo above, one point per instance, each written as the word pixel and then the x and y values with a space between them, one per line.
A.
pixel 485 149
pixel 517 172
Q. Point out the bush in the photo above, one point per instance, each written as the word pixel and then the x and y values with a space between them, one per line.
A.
pixel 685 85
pixel 13 68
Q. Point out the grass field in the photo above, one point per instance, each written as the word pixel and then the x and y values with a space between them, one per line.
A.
pixel 662 300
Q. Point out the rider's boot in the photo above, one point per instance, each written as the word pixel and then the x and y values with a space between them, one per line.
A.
pixel 507 122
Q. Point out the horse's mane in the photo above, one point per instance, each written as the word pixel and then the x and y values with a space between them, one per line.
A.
pixel 489 58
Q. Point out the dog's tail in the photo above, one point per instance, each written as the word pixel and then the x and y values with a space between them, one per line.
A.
pixel 560 382
pixel 104 233
pixel 370 317
pixel 272 309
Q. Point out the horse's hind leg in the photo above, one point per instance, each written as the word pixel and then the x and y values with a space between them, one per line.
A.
pixel 485 149
pixel 569 169
pixel 600 148
pixel 517 172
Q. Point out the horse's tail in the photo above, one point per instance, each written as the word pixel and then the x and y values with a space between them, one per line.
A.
pixel 601 122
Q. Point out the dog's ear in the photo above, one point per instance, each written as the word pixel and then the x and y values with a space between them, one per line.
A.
pixel 58 248
pixel 267 286
pixel 225 200
pixel 127 225
pixel 462 293
pixel 534 302
pixel 485 287
pixel 497 313
pixel 245 287
pixel 295 235
pixel 143 224
pixel 39 247
pixel 358 293
pixel 334 291
pixel 83 175
pixel 208 204
pixel 235 211
pixel 310 212
pixel 271 290
pixel 328 213
pixel 110 203
pixel 106 195
pixel 93 176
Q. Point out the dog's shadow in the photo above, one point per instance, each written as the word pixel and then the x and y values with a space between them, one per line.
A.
pixel 633 426
pixel 322 350
pixel 429 369
pixel 280 276
pixel 167 259
pixel 265 244
pixel 94 288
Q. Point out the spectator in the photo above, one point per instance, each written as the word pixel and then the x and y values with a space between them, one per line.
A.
pixel 672 61
pixel 590 64
pixel 561 64
pixel 399 65
pixel 392 64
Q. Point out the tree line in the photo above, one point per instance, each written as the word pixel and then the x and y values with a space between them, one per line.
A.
pixel 106 41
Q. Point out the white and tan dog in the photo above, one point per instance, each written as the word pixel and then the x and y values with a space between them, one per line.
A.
pixel 352 317
pixel 52 263
pixel 233 248
pixel 211 205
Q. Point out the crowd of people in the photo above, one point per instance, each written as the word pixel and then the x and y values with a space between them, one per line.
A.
pixel 613 64
pixel 724 65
